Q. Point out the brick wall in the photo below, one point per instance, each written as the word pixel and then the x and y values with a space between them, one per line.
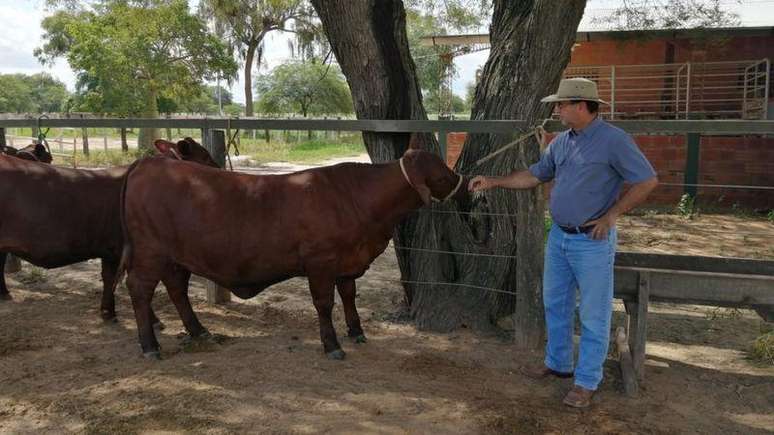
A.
pixel 728 160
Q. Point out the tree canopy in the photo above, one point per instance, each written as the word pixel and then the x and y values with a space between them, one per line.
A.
pixel 428 18
pixel 31 93
pixel 245 24
pixel 669 14
pixel 303 88
pixel 128 54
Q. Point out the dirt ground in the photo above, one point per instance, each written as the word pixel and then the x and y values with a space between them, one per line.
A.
pixel 63 370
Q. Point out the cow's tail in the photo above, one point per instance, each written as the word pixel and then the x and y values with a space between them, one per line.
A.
pixel 126 252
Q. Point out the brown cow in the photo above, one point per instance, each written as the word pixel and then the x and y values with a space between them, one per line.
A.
pixel 247 232
pixel 35 152
pixel 54 217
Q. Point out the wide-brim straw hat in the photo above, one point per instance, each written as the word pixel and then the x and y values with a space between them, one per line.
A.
pixel 575 89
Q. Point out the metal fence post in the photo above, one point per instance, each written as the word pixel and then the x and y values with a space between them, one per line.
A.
pixel 612 92
pixel 692 145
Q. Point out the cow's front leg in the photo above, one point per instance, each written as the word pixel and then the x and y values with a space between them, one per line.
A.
pixel 141 292
pixel 348 291
pixel 176 281
pixel 321 285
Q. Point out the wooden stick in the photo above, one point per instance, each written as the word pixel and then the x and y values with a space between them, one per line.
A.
pixel 631 387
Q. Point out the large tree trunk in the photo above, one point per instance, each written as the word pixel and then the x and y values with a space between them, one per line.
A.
pixel 249 59
pixel 531 43
pixel 146 136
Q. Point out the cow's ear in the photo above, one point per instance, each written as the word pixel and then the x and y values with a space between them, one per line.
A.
pixel 184 146
pixel 40 150
pixel 42 153
pixel 164 147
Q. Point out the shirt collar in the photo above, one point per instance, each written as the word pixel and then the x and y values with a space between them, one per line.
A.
pixel 589 130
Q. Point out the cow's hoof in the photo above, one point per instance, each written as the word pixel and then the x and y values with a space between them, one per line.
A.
pixel 359 339
pixel 154 355
pixel 337 354
pixel 203 337
pixel 108 316
pixel 204 342
pixel 5 297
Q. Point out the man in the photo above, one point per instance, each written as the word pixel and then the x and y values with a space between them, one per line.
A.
pixel 588 164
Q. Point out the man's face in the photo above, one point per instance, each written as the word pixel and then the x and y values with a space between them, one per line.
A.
pixel 569 112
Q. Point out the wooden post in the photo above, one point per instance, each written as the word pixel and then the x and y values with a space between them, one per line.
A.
pixel 215 142
pixel 60 139
pixel 637 328
pixel 85 144
pixel 442 138
pixel 2 138
pixel 104 138
pixel 124 144
pixel 625 360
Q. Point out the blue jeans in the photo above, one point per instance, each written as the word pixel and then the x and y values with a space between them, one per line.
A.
pixel 578 261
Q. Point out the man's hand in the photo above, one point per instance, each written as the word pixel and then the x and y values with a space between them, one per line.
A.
pixel 601 226
pixel 480 183
pixel 635 195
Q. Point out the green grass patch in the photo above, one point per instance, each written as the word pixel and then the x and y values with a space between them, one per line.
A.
pixel 100 158
pixel 313 151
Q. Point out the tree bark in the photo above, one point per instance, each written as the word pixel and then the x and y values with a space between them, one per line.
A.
pixel 249 58
pixel 124 144
pixel 147 135
pixel 531 42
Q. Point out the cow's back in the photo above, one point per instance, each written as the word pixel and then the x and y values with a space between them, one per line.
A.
pixel 56 216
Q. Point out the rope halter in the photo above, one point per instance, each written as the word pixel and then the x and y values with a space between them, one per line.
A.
pixel 446 198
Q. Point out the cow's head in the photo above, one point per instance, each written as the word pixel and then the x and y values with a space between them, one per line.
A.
pixel 186 149
pixel 35 152
pixel 430 177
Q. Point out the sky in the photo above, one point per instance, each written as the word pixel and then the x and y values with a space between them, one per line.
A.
pixel 22 34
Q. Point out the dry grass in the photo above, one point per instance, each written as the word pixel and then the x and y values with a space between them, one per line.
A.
pixel 763 348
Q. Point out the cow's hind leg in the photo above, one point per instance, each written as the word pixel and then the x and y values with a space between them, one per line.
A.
pixel 141 290
pixel 176 280
pixel 107 307
pixel 347 291
pixel 4 295
pixel 108 304
pixel 321 285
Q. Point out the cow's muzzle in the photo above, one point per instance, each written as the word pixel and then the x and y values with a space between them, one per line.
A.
pixel 433 198
pixel 452 193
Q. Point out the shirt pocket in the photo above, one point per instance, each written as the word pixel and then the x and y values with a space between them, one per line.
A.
pixel 592 174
